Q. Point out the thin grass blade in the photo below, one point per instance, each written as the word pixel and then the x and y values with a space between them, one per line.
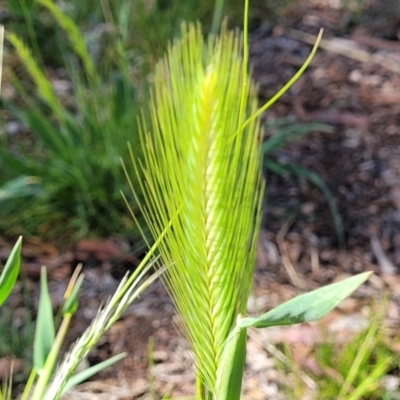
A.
pixel 43 85
pixel 289 133
pixel 45 332
pixel 75 38
pixel 1 53
pixel 10 272
pixel 89 372
pixel 307 307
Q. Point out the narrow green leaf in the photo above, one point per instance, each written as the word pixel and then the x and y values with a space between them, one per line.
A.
pixel 71 302
pixel 230 370
pixel 1 51
pixel 87 373
pixel 45 332
pixel 10 272
pixel 19 165
pixel 290 133
pixel 20 187
pixel 75 37
pixel 307 307
pixel 51 136
pixel 43 84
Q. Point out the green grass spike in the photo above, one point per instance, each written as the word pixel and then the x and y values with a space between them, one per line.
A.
pixel 201 170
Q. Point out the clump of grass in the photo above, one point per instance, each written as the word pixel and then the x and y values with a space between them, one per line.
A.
pixel 46 379
pixel 70 186
pixel 352 370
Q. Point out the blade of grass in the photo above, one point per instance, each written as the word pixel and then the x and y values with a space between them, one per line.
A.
pixel 75 38
pixel 1 53
pixel 217 16
pixel 45 332
pixel 307 307
pixel 363 353
pixel 20 187
pixel 89 372
pixel 10 272
pixel 290 83
pixel 289 133
pixel 43 85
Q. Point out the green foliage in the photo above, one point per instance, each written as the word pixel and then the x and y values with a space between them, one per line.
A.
pixel 48 341
pixel 307 307
pixel 67 186
pixel 45 332
pixel 202 193
pixel 1 52
pixel 70 184
pixel 353 370
pixel 17 333
pixel 10 272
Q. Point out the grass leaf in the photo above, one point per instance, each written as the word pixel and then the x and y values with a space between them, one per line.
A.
pixel 230 371
pixel 307 307
pixel 89 372
pixel 10 272
pixel 43 84
pixel 20 187
pixel 45 332
pixel 1 52
pixel 290 132
pixel 75 37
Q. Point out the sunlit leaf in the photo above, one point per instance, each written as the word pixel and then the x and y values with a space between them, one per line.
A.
pixel 89 372
pixel 10 272
pixel 307 307
pixel 45 332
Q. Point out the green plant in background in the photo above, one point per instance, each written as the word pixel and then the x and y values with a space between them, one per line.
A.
pixel 288 132
pixel 201 174
pixel 349 371
pixel 45 381
pixel 70 185
pixel 67 183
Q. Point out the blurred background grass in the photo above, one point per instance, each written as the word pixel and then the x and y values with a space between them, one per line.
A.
pixel 79 76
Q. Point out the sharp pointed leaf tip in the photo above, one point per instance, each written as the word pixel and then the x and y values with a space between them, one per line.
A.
pixel 307 307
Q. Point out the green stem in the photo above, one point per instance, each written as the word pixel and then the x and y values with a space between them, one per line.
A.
pixel 286 87
pixel 200 395
pixel 45 373
pixel 29 383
